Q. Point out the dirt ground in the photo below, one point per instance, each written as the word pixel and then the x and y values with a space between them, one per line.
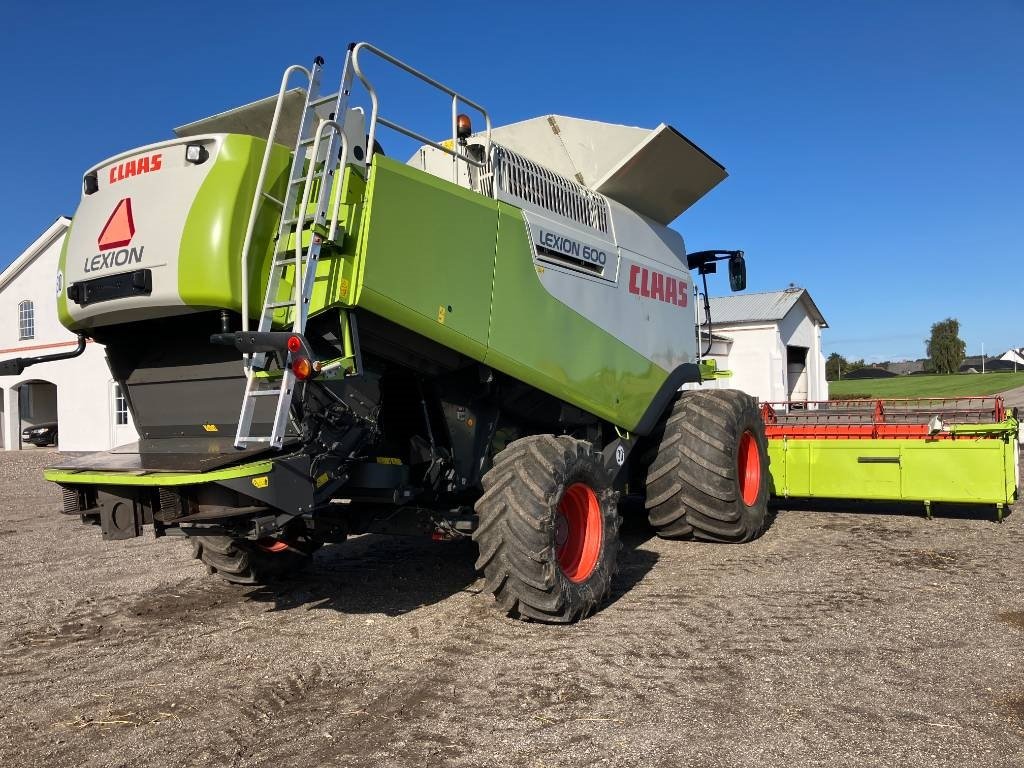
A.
pixel 838 639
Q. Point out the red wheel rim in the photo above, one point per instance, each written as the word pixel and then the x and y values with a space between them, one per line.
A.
pixel 269 544
pixel 748 468
pixel 579 529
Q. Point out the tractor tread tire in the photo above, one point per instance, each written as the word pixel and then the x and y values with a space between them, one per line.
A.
pixel 240 561
pixel 693 488
pixel 516 531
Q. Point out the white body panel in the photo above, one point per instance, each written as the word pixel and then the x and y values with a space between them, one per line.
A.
pixel 643 302
pixel 159 218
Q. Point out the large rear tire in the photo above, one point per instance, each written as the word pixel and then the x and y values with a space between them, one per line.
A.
pixel 709 477
pixel 549 529
pixel 241 561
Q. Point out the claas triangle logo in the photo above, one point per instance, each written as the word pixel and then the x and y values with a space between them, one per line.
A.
pixel 120 227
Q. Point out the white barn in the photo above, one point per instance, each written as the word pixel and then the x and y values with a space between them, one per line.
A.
pixel 772 344
pixel 79 394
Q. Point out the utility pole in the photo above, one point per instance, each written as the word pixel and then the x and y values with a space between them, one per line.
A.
pixel 983 357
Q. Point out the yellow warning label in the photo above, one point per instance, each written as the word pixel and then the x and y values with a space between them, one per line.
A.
pixel 343 288
pixel 388 460
pixel 210 427
pixel 261 482
pixel 321 480
pixel 447 144
pixel 442 313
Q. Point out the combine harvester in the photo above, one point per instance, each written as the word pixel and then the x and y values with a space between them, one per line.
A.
pixel 931 450
pixel 488 340
pixel 316 340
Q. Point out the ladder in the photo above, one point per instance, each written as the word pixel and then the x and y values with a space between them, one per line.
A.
pixel 320 150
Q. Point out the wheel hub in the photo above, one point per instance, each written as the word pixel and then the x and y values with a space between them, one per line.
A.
pixel 579 531
pixel 748 468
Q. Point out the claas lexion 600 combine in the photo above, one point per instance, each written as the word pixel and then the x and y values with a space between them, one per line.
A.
pixel 489 340
pixel 316 340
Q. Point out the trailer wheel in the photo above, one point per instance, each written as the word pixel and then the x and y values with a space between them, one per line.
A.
pixel 241 561
pixel 549 529
pixel 709 477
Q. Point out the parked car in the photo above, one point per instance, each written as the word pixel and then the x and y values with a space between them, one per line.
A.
pixel 40 434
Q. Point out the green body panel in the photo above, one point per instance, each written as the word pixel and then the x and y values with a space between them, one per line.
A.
pixel 457 268
pixel 965 470
pixel 545 343
pixel 427 245
pixel 209 259
pixel 62 295
pixel 336 268
pixel 157 478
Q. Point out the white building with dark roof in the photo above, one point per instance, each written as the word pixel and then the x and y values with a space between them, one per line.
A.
pixel 79 394
pixel 771 342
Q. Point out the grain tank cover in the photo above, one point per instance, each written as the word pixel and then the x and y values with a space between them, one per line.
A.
pixel 254 119
pixel 658 173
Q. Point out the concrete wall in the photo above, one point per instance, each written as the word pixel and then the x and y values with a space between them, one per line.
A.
pixel 84 402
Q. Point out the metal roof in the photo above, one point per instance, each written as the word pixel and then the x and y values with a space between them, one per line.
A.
pixel 764 307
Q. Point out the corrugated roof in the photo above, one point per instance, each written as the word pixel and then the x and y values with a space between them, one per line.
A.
pixel 762 307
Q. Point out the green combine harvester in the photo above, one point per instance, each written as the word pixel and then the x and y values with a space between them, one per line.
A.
pixel 317 340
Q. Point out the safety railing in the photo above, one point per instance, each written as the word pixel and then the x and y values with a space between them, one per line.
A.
pixel 254 210
pixel 457 99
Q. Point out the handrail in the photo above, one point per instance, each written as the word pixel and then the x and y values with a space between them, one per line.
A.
pixel 251 226
pixel 307 189
pixel 456 99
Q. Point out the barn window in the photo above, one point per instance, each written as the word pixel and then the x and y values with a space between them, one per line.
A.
pixel 120 406
pixel 26 320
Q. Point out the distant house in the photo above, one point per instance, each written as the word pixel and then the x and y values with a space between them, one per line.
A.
pixel 977 364
pixel 870 372
pixel 905 367
pixel 771 342
pixel 1015 355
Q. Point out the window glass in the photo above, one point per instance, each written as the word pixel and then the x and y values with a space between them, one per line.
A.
pixel 120 406
pixel 26 320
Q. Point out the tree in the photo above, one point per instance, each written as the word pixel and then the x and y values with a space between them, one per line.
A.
pixel 835 367
pixel 945 348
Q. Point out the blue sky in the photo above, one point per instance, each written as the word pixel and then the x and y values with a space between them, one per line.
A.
pixel 875 149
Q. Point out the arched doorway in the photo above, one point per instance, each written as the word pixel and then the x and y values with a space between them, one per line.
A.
pixel 36 417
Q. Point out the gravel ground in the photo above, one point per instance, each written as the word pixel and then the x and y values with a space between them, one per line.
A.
pixel 838 639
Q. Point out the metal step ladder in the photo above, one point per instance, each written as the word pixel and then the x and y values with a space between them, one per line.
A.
pixel 320 151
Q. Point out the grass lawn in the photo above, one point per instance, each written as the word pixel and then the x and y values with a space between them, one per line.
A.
pixel 954 385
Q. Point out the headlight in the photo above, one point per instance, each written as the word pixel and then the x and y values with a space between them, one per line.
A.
pixel 40 430
pixel 196 153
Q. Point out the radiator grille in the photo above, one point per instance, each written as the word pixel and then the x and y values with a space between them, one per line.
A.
pixel 529 182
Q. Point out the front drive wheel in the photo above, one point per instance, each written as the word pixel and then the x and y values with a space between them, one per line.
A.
pixel 709 478
pixel 549 529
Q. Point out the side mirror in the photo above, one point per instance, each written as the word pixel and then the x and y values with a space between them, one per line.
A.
pixel 737 272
